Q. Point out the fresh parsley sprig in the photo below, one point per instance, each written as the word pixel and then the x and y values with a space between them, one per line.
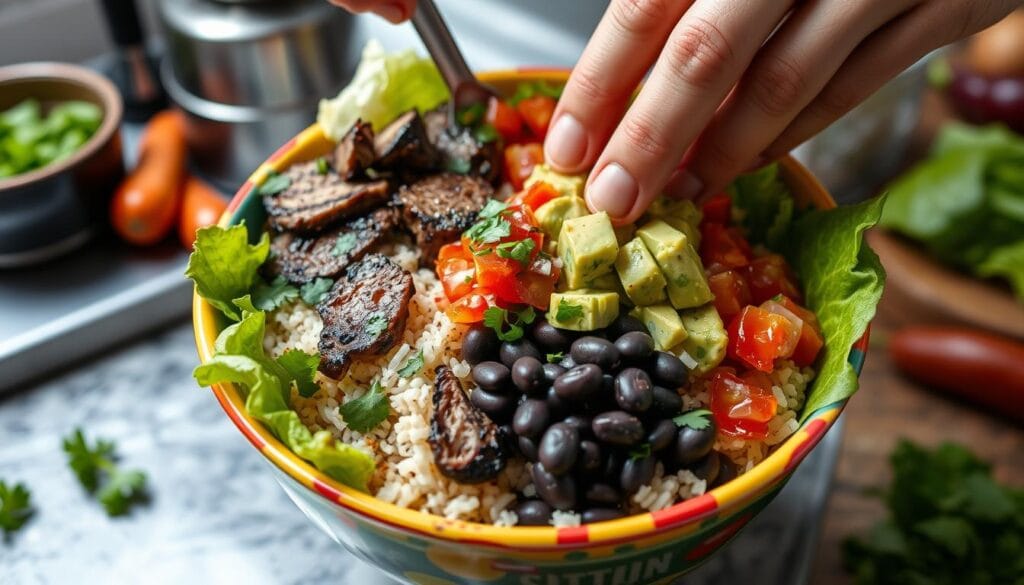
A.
pixel 96 469
pixel 518 250
pixel 509 325
pixel 366 412
pixel 490 227
pixel 15 507
pixel 568 312
pixel 273 184
pixel 697 420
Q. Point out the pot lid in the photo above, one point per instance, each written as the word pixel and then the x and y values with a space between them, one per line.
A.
pixel 232 21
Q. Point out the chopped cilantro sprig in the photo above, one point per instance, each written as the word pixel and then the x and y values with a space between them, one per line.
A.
pixel 96 469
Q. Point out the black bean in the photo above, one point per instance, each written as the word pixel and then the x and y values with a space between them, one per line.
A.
pixel 556 405
pixel 603 493
pixel 708 468
pixel 692 444
pixel 559 448
pixel 511 351
pixel 594 350
pixel 633 390
pixel 618 428
pixel 492 376
pixel 528 448
pixel 613 464
pixel 624 324
pixel 662 435
pixel 557 490
pixel 497 406
pixel 591 515
pixel 533 513
pixel 531 418
pixel 666 402
pixel 551 372
pixel 727 471
pixel 479 344
pixel 635 347
pixel 568 363
pixel 589 459
pixel 551 338
pixel 669 370
pixel 581 422
pixel 578 383
pixel 528 375
pixel 636 472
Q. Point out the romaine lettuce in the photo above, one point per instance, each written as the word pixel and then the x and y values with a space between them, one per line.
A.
pixel 224 265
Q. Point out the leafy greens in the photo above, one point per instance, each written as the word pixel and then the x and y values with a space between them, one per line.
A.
pixel 224 266
pixel 15 507
pixel 96 468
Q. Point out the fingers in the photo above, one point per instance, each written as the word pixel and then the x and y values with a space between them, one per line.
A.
pixel 787 74
pixel 395 11
pixel 881 57
pixel 623 46
pixel 705 54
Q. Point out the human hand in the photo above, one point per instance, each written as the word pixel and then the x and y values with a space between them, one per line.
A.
pixel 734 84
pixel 395 11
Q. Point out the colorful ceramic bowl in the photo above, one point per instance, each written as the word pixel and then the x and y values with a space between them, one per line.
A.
pixel 422 548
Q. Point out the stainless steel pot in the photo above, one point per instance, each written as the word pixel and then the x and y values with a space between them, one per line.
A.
pixel 248 75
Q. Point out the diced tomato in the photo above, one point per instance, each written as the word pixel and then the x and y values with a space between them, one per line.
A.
pixel 770 275
pixel 504 118
pixel 742 407
pixel 810 342
pixel 757 338
pixel 723 246
pixel 520 160
pixel 717 209
pixel 538 194
pixel 470 308
pixel 731 293
pixel 535 285
pixel 536 111
pixel 453 250
pixel 458 276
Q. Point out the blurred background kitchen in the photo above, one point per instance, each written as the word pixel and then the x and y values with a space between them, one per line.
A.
pixel 94 310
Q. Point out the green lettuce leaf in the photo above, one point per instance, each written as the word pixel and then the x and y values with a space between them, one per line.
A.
pixel 384 86
pixel 1006 262
pixel 239 358
pixel 224 265
pixel 763 205
pixel 301 368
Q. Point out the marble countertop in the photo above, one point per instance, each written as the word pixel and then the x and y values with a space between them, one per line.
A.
pixel 216 515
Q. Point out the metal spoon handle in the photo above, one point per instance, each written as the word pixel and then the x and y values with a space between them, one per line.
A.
pixel 442 48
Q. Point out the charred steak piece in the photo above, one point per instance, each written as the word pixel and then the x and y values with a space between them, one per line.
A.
pixel 364 313
pixel 354 154
pixel 468 447
pixel 403 145
pixel 438 208
pixel 313 201
pixel 459 150
pixel 301 260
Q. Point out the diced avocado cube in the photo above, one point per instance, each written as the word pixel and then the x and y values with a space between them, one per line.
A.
pixel 551 215
pixel 641 278
pixel 706 337
pixel 610 281
pixel 681 214
pixel 687 286
pixel 571 185
pixel 587 248
pixel 624 233
pixel 583 310
pixel 664 325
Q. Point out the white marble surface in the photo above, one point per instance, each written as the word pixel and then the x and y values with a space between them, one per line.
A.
pixel 217 515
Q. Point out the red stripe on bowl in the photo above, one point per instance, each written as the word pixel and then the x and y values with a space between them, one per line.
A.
pixel 862 343
pixel 573 535
pixel 283 150
pixel 240 195
pixel 326 491
pixel 241 423
pixel 815 430
pixel 684 512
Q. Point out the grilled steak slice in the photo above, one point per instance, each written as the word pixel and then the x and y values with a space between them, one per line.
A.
pixel 355 151
pixel 312 201
pixel 468 447
pixel 459 150
pixel 438 208
pixel 403 145
pixel 364 314
pixel 301 260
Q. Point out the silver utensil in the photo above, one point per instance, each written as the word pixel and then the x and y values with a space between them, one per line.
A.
pixel 466 89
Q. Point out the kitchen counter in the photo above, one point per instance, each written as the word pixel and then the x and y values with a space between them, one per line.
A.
pixel 216 515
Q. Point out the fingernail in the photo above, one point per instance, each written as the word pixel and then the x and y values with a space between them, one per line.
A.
pixel 686 185
pixel 614 190
pixel 566 144
pixel 392 12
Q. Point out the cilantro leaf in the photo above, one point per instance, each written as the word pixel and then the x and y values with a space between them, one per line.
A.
pixel 492 208
pixel 267 297
pixel 96 468
pixel 376 324
pixel 697 420
pixel 15 507
pixel 273 184
pixel 224 265
pixel 366 412
pixel 322 166
pixel 413 366
pixel 508 325
pixel 301 367
pixel 568 312
pixel 518 250
pixel 345 243
pixel 489 230
pixel 554 358
pixel 314 291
